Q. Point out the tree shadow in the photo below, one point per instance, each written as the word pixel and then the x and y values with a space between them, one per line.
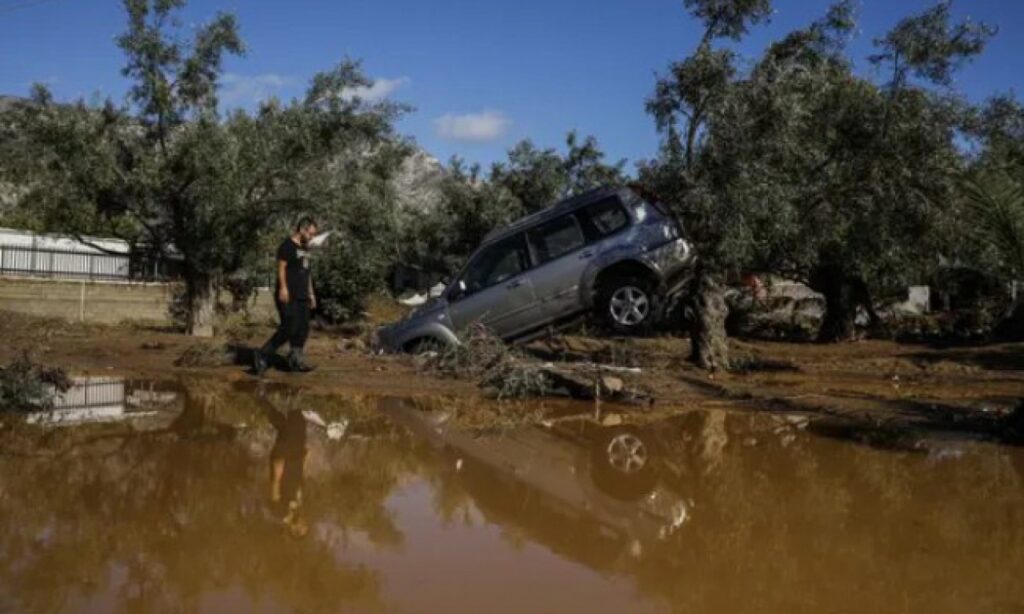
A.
pixel 911 426
pixel 245 356
pixel 991 358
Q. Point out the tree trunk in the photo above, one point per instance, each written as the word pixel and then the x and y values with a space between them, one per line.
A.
pixel 1011 327
pixel 707 311
pixel 843 295
pixel 201 297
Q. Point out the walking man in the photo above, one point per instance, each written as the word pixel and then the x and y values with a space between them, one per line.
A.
pixel 294 298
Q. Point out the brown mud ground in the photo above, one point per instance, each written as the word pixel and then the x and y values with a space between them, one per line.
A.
pixel 880 380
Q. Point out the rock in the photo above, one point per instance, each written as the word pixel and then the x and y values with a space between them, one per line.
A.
pixel 354 344
pixel 337 430
pixel 611 420
pixel 612 384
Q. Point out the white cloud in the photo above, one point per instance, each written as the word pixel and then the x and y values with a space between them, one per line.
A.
pixel 250 89
pixel 379 90
pixel 477 127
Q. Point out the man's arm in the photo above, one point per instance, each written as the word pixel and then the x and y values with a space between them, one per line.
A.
pixel 312 297
pixel 282 281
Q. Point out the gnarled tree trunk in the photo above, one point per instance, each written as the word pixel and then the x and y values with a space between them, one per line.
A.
pixel 843 293
pixel 201 298
pixel 706 311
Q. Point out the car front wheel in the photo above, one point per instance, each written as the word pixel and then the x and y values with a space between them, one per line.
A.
pixel 626 305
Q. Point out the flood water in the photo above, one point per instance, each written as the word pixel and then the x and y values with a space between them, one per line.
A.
pixel 206 497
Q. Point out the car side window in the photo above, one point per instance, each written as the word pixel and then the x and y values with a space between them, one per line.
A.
pixel 604 218
pixel 556 238
pixel 495 264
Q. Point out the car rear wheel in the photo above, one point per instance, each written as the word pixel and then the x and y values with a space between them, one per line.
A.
pixel 627 304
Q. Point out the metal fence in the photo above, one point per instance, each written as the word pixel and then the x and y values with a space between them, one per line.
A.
pixel 89 393
pixel 62 264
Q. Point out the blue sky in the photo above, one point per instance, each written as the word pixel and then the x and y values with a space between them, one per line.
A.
pixel 480 74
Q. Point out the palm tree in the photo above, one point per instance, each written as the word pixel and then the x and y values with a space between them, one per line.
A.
pixel 996 204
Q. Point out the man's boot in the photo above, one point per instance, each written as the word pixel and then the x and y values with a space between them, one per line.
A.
pixel 260 361
pixel 297 362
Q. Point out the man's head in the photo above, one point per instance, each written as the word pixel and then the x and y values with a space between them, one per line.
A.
pixel 306 229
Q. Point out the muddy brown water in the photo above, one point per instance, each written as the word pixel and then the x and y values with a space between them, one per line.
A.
pixel 201 496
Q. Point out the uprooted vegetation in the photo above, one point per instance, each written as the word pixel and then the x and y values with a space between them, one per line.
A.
pixel 26 385
pixel 506 372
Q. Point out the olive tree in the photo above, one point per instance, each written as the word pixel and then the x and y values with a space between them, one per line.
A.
pixel 538 178
pixel 167 170
pixel 803 168
pixel 473 203
pixel 684 105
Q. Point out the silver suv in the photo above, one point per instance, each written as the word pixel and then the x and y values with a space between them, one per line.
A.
pixel 607 252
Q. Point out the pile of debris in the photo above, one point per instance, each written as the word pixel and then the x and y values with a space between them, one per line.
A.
pixel 509 373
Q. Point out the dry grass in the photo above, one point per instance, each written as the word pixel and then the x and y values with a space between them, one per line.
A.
pixel 382 309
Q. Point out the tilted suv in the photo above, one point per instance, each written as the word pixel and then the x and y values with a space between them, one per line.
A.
pixel 606 251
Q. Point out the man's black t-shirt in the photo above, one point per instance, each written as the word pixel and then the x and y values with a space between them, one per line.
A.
pixel 296 270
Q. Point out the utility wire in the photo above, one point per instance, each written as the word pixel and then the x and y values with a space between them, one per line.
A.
pixel 10 8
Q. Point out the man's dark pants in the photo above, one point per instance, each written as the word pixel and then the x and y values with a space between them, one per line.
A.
pixel 293 329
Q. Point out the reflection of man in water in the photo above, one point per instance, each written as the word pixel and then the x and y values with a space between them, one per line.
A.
pixel 287 467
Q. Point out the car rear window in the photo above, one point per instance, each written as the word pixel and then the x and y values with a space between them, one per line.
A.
pixel 604 218
pixel 556 238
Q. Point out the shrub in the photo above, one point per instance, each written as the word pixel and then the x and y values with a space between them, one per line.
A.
pixel 26 385
pixel 344 274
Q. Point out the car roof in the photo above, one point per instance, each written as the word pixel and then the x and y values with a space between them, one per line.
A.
pixel 560 208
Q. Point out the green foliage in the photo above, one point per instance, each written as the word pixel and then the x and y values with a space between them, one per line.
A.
pixel 995 203
pixel 729 18
pixel 167 171
pixel 26 385
pixel 345 274
pixel 929 47
pixel 537 178
pixel 999 128
pixel 800 166
pixel 471 205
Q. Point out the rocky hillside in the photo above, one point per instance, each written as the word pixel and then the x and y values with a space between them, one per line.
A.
pixel 418 182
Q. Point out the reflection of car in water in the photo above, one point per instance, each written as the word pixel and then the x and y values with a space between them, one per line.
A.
pixel 596 486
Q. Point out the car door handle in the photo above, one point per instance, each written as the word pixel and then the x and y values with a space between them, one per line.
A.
pixel 515 284
pixel 586 254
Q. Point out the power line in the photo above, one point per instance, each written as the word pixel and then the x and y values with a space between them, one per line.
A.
pixel 10 8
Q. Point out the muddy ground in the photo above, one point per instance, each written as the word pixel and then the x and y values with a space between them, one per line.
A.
pixel 810 474
pixel 879 383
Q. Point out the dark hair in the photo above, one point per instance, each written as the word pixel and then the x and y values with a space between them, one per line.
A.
pixel 305 222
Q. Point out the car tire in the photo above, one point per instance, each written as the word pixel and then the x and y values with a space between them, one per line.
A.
pixel 623 464
pixel 627 305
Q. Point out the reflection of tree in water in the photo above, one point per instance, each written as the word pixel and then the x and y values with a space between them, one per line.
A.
pixel 798 521
pixel 165 518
